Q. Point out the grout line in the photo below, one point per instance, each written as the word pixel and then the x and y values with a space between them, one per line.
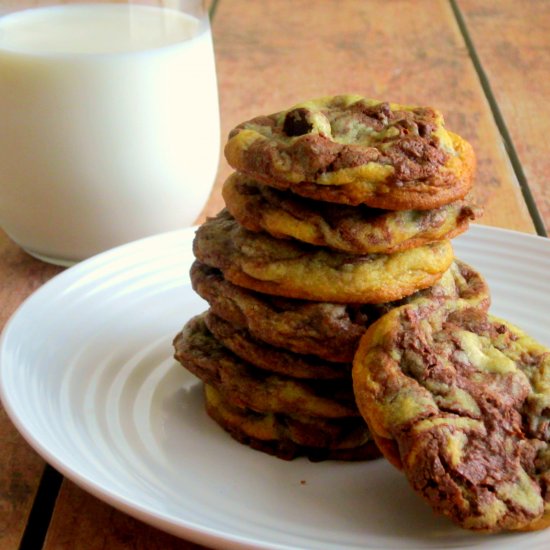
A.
pixel 501 124
pixel 42 510
pixel 212 10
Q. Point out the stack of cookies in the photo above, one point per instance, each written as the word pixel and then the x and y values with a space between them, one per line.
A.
pixel 340 209
pixel 334 249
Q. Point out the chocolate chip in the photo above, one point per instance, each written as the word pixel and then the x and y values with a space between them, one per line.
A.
pixel 297 122
pixel 382 111
pixel 425 129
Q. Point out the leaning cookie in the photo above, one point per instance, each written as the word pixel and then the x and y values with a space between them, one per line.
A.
pixel 244 385
pixel 288 437
pixel 460 400
pixel 354 229
pixel 353 150
pixel 325 329
pixel 297 270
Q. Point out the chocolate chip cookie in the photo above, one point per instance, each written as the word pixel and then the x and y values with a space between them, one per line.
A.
pixel 352 150
pixel 271 358
pixel 297 270
pixel 244 385
pixel 354 229
pixel 288 437
pixel 460 400
pixel 328 330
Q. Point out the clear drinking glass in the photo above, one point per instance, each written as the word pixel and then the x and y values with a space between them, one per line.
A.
pixel 109 122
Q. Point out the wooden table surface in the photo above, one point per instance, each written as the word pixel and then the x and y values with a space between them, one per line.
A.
pixel 484 63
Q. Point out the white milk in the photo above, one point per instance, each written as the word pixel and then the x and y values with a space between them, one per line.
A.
pixel 109 125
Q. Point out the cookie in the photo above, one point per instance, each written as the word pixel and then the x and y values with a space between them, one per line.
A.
pixel 297 270
pixel 353 229
pixel 289 437
pixel 271 358
pixel 353 150
pixel 328 330
pixel 460 400
pixel 243 385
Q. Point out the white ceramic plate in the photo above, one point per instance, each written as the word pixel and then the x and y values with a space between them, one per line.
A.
pixel 87 376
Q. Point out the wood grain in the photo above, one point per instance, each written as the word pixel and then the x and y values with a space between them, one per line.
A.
pixel 20 466
pixel 20 471
pixel 271 55
pixel 82 522
pixel 513 45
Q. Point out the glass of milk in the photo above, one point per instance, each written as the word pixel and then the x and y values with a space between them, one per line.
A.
pixel 109 122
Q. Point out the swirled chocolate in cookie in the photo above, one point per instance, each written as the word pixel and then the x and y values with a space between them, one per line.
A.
pixel 297 270
pixel 354 229
pixel 328 330
pixel 353 150
pixel 460 400
pixel 244 385
pixel 288 437
pixel 271 358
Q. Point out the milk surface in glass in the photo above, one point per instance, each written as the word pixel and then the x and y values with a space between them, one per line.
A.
pixel 109 125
